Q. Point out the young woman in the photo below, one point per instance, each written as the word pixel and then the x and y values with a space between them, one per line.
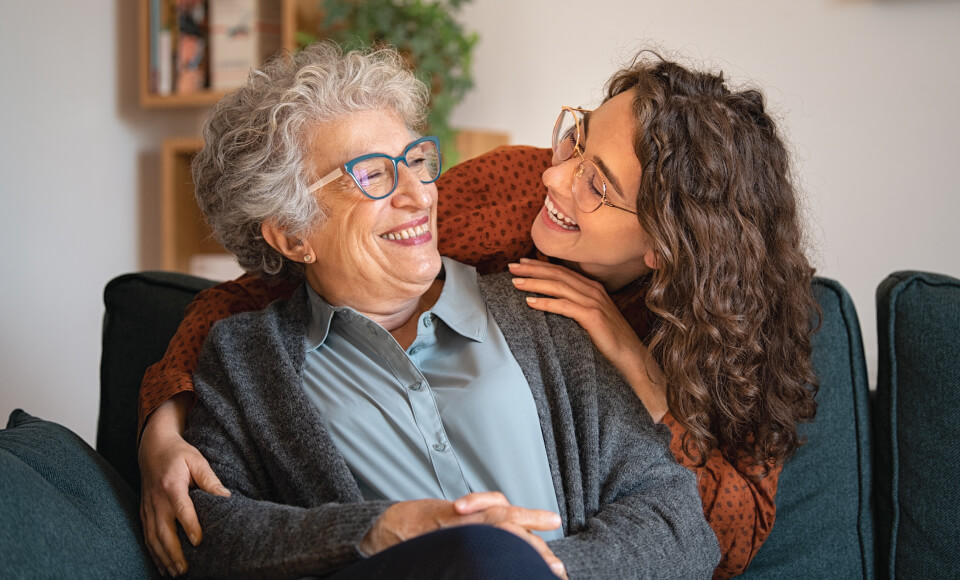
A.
pixel 672 231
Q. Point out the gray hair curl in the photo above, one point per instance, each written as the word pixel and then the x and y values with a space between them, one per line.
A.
pixel 255 166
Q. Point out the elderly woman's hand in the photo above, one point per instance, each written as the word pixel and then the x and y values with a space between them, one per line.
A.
pixel 586 301
pixel 408 519
pixel 168 466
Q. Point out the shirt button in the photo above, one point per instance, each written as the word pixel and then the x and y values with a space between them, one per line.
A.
pixel 414 350
pixel 427 321
pixel 416 386
pixel 439 446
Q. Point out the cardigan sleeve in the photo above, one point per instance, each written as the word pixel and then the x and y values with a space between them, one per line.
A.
pixel 740 510
pixel 172 374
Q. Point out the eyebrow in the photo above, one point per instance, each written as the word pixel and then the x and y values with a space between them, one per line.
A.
pixel 604 168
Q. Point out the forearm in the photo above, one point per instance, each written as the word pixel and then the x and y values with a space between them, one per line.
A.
pixel 245 538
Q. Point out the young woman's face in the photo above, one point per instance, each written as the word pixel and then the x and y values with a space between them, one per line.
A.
pixel 608 244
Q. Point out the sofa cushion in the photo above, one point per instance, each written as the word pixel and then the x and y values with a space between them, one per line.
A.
pixel 917 425
pixel 824 526
pixel 143 311
pixel 66 513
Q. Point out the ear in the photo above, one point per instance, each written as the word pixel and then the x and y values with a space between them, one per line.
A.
pixel 292 247
pixel 651 260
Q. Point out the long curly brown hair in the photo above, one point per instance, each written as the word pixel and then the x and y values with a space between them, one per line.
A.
pixel 731 297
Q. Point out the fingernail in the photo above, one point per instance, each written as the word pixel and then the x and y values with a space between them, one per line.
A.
pixel 459 504
pixel 513 265
pixel 224 491
pixel 557 568
pixel 531 299
pixel 525 260
pixel 518 281
pixel 193 539
pixel 181 569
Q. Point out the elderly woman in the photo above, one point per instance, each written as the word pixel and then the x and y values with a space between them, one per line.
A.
pixel 395 394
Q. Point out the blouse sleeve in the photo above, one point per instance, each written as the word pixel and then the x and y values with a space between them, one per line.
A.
pixel 172 375
pixel 739 509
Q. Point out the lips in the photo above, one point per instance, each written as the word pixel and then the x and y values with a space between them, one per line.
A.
pixel 558 217
pixel 411 230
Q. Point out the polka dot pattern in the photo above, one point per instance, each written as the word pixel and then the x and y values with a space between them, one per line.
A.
pixel 486 207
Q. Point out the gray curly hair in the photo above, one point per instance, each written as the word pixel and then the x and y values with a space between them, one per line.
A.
pixel 255 166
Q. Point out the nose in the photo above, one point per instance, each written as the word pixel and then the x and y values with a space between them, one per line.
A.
pixel 411 192
pixel 559 178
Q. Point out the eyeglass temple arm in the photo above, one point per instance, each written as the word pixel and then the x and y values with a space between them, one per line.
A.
pixel 335 174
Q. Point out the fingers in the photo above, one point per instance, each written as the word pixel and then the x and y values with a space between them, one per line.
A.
pixel 551 559
pixel 204 477
pixel 553 280
pixel 528 519
pixel 479 501
pixel 154 514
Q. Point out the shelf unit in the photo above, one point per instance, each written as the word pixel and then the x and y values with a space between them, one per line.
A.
pixel 295 15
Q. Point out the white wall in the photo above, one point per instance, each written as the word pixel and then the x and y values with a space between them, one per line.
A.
pixel 867 90
pixel 78 196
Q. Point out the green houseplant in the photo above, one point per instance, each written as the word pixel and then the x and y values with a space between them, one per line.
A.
pixel 426 33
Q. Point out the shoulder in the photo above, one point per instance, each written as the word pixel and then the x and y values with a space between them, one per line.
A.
pixel 251 330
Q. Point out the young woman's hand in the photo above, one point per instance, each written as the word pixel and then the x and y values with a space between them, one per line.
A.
pixel 168 467
pixel 586 301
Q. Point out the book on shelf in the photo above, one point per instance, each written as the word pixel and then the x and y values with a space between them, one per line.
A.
pixel 243 34
pixel 191 51
pixel 162 32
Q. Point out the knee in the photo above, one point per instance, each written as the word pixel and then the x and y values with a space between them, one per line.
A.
pixel 482 551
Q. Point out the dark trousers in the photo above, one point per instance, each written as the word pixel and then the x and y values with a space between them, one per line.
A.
pixel 464 553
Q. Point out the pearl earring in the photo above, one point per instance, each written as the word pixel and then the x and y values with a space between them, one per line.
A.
pixel 307 258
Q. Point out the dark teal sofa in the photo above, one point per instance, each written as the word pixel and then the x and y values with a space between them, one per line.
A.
pixel 868 496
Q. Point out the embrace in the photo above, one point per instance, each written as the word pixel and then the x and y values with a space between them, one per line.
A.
pixel 373 409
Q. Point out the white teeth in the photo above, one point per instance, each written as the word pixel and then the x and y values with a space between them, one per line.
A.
pixel 558 218
pixel 407 233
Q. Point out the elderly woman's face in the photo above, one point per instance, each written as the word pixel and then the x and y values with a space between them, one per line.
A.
pixel 370 248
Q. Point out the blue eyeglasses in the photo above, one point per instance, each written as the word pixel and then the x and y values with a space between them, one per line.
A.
pixel 376 173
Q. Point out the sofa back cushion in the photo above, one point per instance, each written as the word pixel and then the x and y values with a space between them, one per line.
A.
pixel 917 425
pixel 142 313
pixel 66 513
pixel 824 526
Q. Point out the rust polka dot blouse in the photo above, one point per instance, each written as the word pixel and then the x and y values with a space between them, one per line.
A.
pixel 486 207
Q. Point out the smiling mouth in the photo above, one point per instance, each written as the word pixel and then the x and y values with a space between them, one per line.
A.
pixel 557 217
pixel 414 232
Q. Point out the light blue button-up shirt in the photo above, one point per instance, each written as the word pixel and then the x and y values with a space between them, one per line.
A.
pixel 452 414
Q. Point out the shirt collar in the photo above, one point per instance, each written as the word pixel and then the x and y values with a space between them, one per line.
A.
pixel 460 306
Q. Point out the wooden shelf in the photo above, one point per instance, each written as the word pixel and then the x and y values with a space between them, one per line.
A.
pixel 182 229
pixel 295 15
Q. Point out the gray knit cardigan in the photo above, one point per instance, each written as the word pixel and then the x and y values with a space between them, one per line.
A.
pixel 628 509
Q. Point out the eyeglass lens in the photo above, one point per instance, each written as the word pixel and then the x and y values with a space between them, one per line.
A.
pixel 565 136
pixel 377 175
pixel 589 186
